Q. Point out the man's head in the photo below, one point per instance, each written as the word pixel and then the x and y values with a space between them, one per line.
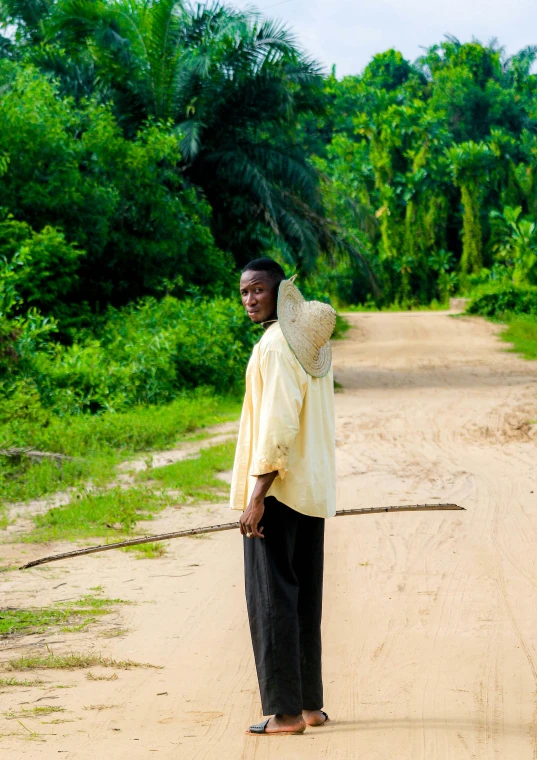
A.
pixel 260 280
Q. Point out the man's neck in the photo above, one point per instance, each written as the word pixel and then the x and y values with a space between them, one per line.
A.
pixel 268 322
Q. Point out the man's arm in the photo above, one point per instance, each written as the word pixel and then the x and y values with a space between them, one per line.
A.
pixel 251 517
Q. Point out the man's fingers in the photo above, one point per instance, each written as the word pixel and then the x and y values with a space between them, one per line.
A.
pixel 252 531
pixel 248 525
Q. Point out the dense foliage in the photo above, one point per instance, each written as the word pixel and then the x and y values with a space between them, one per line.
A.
pixel 211 98
pixel 505 301
pixel 432 167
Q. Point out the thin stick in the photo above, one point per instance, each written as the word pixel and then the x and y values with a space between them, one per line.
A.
pixel 32 453
pixel 228 526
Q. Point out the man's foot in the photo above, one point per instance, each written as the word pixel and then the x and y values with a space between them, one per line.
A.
pixel 281 724
pixel 315 717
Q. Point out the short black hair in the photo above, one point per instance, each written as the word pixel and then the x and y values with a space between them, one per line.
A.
pixel 266 265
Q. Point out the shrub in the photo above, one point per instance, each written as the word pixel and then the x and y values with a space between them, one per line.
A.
pixel 147 353
pixel 46 265
pixel 508 300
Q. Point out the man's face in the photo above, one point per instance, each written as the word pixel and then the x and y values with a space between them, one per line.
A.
pixel 259 295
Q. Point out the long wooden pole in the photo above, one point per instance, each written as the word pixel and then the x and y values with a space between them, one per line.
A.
pixel 227 526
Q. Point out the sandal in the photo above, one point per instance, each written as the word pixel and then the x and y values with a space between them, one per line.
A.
pixel 326 719
pixel 260 728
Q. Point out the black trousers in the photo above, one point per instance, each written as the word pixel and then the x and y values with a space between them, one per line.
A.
pixel 284 588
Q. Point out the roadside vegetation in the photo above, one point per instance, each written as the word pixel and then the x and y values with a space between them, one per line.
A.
pixel 72 661
pixel 522 333
pixel 148 151
pixel 516 308
pixel 196 479
pixel 65 616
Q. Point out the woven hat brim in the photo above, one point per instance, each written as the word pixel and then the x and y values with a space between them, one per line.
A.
pixel 316 361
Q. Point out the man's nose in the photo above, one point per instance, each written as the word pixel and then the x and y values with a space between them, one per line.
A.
pixel 251 299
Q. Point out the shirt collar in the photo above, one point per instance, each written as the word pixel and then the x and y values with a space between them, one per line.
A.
pixel 270 328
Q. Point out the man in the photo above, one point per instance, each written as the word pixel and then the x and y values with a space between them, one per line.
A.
pixel 284 481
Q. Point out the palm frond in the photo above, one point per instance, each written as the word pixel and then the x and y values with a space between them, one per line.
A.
pixel 189 132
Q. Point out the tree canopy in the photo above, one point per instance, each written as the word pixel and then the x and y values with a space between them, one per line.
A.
pixel 151 147
pixel 420 160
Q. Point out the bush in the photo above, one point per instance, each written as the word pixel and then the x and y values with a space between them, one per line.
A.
pixel 45 264
pixel 147 353
pixel 107 219
pixel 509 300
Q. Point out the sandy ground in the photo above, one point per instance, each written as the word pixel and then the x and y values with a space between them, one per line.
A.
pixel 430 618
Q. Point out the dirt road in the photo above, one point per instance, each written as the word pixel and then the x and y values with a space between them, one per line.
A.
pixel 430 619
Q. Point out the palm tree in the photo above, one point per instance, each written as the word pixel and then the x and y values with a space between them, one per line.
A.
pixel 469 163
pixel 232 86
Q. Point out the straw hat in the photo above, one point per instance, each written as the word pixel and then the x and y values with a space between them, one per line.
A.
pixel 307 327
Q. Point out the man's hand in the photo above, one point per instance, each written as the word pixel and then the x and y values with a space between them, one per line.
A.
pixel 252 515
pixel 251 518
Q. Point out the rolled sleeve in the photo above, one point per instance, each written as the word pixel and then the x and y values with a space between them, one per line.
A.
pixel 281 402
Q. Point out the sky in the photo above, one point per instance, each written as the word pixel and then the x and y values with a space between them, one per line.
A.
pixel 348 33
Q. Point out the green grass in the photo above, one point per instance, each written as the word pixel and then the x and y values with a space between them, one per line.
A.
pixel 397 307
pixel 17 682
pixel 35 712
pixel 98 442
pixel 196 478
pixel 23 478
pixel 72 661
pixel 522 333
pixel 69 616
pixel 342 326
pixel 152 550
pixel 114 512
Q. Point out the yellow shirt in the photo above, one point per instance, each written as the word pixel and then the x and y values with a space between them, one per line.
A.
pixel 287 424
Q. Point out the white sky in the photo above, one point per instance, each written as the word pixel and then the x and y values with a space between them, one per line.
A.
pixel 349 32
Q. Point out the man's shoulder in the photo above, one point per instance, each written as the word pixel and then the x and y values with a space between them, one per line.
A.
pixel 274 341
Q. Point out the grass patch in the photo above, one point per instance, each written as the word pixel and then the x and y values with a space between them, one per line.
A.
pixel 71 616
pixel 73 661
pixel 99 442
pixel 91 677
pixel 397 307
pixel 152 550
pixel 17 682
pixel 342 326
pixel 108 513
pixel 522 333
pixel 35 712
pixel 195 478
pixel 114 633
